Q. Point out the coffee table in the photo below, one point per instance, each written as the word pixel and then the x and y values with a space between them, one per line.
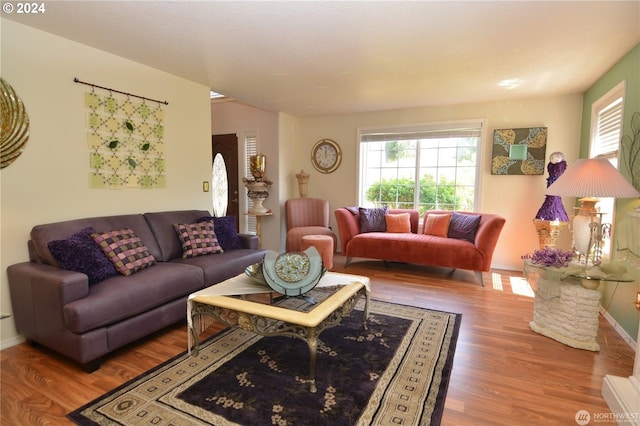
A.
pixel 270 320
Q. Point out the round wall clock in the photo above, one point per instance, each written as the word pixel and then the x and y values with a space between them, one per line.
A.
pixel 326 155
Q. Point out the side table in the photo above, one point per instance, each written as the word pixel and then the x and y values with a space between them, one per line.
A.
pixel 259 217
pixel 566 307
pixel 568 313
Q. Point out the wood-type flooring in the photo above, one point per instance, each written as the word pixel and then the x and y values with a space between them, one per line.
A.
pixel 503 373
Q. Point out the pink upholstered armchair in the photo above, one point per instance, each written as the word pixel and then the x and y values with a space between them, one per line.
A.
pixel 306 216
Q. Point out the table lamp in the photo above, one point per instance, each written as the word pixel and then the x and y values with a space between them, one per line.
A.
pixel 591 178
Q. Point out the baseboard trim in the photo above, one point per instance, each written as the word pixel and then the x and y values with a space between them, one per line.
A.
pixel 622 395
pixel 625 336
pixel 7 343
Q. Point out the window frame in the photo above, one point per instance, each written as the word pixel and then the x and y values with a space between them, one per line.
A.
pixel 479 124
pixel 607 205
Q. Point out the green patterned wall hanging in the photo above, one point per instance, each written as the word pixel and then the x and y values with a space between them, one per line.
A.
pixel 126 144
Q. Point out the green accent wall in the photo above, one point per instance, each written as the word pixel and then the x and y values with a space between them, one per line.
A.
pixel 618 300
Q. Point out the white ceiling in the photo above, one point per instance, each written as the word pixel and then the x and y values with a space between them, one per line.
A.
pixel 328 57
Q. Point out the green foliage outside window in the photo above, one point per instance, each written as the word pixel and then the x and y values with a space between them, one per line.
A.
pixel 399 194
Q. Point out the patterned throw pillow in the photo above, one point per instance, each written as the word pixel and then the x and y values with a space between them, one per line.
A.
pixel 372 220
pixel 80 253
pixel 226 231
pixel 197 239
pixel 399 223
pixel 437 224
pixel 464 226
pixel 125 250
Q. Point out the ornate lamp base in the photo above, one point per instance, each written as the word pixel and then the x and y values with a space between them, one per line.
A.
pixel 548 231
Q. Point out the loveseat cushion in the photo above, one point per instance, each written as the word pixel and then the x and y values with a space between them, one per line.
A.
pixel 120 297
pixel 416 248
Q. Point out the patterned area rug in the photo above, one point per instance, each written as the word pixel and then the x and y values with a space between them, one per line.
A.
pixel 395 372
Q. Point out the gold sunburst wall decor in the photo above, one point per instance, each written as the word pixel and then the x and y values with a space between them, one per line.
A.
pixel 14 125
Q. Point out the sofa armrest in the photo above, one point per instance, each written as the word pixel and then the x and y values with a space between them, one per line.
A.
pixel 38 293
pixel 348 226
pixel 249 241
pixel 487 236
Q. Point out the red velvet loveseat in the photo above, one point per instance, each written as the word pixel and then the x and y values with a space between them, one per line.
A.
pixel 419 247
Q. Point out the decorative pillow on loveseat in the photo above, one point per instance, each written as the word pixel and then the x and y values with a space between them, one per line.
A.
pixel 80 253
pixel 373 220
pixel 197 239
pixel 464 226
pixel 437 224
pixel 125 250
pixel 398 223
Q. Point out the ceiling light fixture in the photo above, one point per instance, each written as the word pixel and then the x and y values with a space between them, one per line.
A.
pixel 510 84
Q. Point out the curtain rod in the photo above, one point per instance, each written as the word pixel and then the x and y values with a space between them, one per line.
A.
pixel 76 80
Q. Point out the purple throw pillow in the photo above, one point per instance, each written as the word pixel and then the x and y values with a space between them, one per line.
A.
pixel 464 226
pixel 226 231
pixel 80 253
pixel 372 220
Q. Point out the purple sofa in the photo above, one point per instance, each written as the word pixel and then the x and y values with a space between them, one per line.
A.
pixel 64 311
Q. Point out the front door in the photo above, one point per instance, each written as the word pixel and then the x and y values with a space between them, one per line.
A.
pixel 227 147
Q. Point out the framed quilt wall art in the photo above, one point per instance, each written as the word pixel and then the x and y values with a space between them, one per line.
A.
pixel 519 151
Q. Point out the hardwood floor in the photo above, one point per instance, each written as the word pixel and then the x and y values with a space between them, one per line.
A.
pixel 503 373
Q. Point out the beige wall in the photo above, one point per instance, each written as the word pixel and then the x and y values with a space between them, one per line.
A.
pixel 49 181
pixel 518 198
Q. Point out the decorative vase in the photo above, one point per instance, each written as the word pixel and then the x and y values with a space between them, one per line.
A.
pixel 258 191
pixel 303 183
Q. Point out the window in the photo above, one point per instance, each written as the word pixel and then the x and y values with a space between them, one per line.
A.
pixel 250 148
pixel 424 167
pixel 606 131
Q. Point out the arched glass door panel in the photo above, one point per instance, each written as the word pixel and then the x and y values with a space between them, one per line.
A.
pixel 220 186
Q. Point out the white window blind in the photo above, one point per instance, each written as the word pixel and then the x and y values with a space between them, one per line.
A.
pixel 607 114
pixel 250 148
pixel 608 129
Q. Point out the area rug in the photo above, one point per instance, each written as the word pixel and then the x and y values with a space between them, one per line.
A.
pixel 394 372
